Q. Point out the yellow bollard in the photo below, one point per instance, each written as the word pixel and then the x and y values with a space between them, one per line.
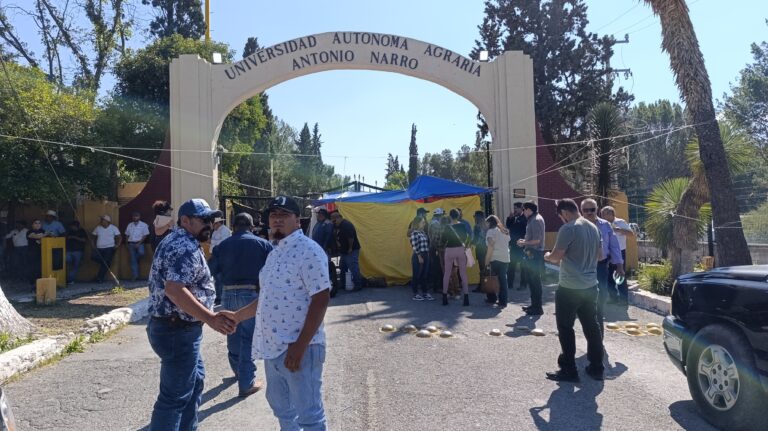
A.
pixel 708 262
pixel 46 291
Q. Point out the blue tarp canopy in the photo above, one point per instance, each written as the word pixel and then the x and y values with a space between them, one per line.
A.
pixel 424 187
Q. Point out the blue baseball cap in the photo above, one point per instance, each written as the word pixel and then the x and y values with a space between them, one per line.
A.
pixel 198 208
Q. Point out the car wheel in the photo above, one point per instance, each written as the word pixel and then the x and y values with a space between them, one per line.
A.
pixel 723 380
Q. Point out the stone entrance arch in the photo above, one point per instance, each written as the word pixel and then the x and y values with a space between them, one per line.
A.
pixel 202 94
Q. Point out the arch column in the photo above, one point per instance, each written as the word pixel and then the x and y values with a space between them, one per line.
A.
pixel 194 173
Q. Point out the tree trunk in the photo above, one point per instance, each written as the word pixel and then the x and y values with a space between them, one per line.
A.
pixel 687 63
pixel 11 321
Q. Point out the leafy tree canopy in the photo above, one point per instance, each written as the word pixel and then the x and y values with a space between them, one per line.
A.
pixel 182 17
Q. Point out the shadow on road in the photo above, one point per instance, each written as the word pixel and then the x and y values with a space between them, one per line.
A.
pixel 687 416
pixel 568 405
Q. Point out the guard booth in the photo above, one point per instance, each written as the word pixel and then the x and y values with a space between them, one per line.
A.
pixel 53 260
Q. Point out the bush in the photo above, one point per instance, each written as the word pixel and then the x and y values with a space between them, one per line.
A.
pixel 9 343
pixel 655 278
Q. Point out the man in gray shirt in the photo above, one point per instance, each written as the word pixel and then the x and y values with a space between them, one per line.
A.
pixel 577 250
pixel 533 245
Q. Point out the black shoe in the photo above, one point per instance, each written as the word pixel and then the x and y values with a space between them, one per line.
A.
pixel 526 307
pixel 595 374
pixel 534 311
pixel 466 300
pixel 563 376
pixel 445 299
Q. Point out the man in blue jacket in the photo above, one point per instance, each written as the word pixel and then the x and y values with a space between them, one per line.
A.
pixel 238 261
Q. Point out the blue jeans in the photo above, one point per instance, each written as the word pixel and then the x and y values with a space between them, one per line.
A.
pixel 296 398
pixel 351 262
pixel 239 344
pixel 137 252
pixel 181 375
pixel 499 269
pixel 73 260
pixel 420 272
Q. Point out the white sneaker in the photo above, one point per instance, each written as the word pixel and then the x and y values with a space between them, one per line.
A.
pixel 428 297
pixel 417 297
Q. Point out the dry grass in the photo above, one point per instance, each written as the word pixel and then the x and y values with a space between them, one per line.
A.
pixel 69 315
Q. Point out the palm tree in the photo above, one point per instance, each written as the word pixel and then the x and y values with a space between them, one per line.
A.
pixel 604 123
pixel 687 63
pixel 678 208
pixel 11 322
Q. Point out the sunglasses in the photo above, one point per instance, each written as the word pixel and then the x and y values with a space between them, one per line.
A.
pixel 589 210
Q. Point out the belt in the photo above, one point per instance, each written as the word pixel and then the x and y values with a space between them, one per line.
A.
pixel 241 286
pixel 176 321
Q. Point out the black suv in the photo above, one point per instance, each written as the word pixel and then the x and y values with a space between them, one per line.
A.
pixel 717 335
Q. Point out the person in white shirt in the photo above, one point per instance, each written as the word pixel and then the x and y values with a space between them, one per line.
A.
pixel 289 334
pixel 20 250
pixel 107 239
pixel 136 233
pixel 622 230
pixel 219 234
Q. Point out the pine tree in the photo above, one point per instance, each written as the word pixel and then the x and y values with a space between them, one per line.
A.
pixel 315 144
pixel 570 65
pixel 184 17
pixel 251 46
pixel 413 156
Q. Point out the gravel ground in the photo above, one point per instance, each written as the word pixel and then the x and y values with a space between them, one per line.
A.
pixel 389 381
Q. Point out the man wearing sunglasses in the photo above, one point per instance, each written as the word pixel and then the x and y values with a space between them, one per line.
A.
pixel 611 253
pixel 181 296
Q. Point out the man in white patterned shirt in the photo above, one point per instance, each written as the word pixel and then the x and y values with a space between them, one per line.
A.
pixel 289 334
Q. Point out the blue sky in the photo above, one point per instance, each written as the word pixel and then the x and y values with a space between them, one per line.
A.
pixel 365 115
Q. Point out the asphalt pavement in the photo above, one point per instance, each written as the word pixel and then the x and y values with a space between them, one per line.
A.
pixel 389 381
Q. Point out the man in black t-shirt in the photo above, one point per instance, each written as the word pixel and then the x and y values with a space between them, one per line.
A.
pixel 349 248
pixel 76 239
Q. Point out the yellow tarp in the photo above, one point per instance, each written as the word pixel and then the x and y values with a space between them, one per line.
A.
pixel 382 229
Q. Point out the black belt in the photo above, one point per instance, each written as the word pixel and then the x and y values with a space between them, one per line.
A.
pixel 176 321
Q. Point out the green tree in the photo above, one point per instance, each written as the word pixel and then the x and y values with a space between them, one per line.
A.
pixel 661 206
pixel 571 69
pixel 605 124
pixel 746 107
pixel 413 156
pixel 397 181
pixel 45 111
pixel 182 17
pixel 680 42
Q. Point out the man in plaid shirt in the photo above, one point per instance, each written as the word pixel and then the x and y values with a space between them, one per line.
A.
pixel 420 259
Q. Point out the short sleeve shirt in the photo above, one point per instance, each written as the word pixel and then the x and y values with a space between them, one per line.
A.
pixel 295 270
pixel 500 250
pixel 622 237
pixel 580 240
pixel 55 227
pixel 179 258
pixel 136 231
pixel 534 230
pixel 105 236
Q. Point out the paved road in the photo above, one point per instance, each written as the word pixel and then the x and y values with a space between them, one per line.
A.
pixel 378 381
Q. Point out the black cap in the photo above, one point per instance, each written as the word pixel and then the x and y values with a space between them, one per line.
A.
pixel 479 214
pixel 284 203
pixel 422 210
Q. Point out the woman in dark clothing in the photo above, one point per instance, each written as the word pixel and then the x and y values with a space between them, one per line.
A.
pixel 35 237
pixel 455 240
pixel 163 223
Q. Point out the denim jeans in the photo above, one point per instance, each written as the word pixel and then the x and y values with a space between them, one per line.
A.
pixel 103 256
pixel 499 269
pixel 239 344
pixel 351 262
pixel 602 295
pixel 20 263
pixel 296 398
pixel 534 269
pixel 73 260
pixel 581 303
pixel 137 252
pixel 420 272
pixel 181 375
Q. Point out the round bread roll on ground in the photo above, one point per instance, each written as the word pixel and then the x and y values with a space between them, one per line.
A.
pixel 409 328
pixel 538 332
pixel 387 328
pixel 446 334
pixel 631 325
pixel 612 326
pixel 495 332
pixel 423 334
pixel 655 331
pixel 431 328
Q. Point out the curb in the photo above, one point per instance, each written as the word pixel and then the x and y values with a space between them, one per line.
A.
pixel 29 356
pixel 661 305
